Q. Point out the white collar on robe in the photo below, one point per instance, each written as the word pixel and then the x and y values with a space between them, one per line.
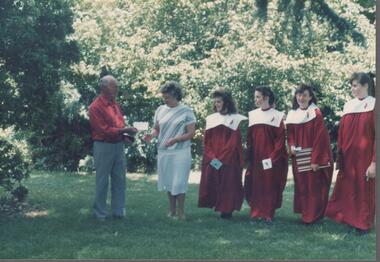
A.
pixel 231 121
pixel 300 116
pixel 270 117
pixel 359 106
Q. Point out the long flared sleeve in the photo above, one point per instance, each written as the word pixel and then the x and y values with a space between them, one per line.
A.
pixel 279 143
pixel 321 141
pixel 231 148
pixel 208 153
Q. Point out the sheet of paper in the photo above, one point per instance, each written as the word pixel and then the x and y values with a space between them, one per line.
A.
pixel 141 126
pixel 267 163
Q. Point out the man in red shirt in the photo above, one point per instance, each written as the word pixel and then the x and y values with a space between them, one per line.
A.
pixel 108 133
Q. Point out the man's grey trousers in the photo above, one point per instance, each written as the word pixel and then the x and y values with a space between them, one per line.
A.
pixel 110 161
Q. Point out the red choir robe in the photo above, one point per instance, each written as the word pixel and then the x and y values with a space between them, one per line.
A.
pixel 265 139
pixel 222 189
pixel 306 129
pixel 353 199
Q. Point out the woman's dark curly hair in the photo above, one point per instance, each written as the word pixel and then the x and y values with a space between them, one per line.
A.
pixel 173 89
pixel 228 102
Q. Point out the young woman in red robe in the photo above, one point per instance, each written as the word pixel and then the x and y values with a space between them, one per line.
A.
pixel 353 198
pixel 267 170
pixel 221 177
pixel 312 180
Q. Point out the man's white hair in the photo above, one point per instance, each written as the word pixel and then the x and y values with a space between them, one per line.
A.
pixel 105 81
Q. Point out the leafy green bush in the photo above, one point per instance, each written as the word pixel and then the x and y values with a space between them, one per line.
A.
pixel 64 146
pixel 13 170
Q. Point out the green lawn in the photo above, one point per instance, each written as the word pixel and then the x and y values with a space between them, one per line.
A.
pixel 66 229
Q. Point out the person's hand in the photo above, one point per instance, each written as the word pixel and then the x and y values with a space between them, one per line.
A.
pixel 291 151
pixel 130 130
pixel 170 142
pixel 128 139
pixel 314 167
pixel 371 170
pixel 148 138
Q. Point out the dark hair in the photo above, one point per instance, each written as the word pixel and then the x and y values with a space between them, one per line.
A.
pixel 172 88
pixel 299 90
pixel 364 78
pixel 228 101
pixel 266 91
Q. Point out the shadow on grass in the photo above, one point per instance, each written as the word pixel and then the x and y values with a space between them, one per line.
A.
pixel 67 229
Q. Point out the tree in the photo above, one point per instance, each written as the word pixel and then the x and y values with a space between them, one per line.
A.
pixel 35 57
pixel 34 54
pixel 299 8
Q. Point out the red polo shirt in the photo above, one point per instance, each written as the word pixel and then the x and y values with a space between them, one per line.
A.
pixel 106 119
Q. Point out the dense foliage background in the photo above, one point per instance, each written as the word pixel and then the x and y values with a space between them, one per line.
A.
pixel 52 53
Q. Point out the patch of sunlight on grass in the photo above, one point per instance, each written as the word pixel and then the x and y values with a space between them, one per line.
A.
pixel 194 177
pixel 222 241
pixel 39 175
pixel 135 176
pixel 244 207
pixel 40 213
pixel 81 181
pixel 262 231
pixel 84 211
pixel 336 237
pixel 84 173
pixel 136 189
pixel 152 178
pixel 89 251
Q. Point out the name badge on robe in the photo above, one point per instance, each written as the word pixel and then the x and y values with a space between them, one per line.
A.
pixel 267 163
pixel 215 163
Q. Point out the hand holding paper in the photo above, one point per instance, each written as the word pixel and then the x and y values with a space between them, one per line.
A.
pixel 141 126
pixel 128 138
pixel 295 149
pixel 128 134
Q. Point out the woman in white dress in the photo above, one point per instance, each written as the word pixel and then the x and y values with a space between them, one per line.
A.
pixel 174 125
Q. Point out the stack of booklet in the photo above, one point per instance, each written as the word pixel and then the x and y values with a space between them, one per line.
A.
pixel 303 160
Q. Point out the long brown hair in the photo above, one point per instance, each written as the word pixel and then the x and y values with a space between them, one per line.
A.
pixel 228 101
pixel 364 78
pixel 299 90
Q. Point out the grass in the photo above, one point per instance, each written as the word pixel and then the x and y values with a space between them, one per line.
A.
pixel 64 228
